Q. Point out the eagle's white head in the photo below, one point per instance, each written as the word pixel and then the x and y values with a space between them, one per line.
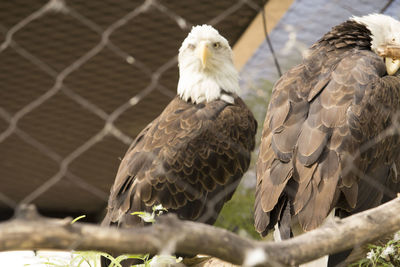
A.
pixel 385 31
pixel 206 68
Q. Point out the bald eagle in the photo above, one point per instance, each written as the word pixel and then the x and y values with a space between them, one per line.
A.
pixel 191 158
pixel 329 138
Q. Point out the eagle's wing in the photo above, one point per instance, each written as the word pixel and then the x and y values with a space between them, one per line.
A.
pixel 320 115
pixel 190 159
pixel 374 123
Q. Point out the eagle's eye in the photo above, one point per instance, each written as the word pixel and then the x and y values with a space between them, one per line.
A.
pixel 191 46
pixel 394 39
pixel 216 45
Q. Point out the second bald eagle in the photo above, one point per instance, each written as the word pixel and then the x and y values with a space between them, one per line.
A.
pixel 329 139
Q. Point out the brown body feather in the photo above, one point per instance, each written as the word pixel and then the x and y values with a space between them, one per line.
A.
pixel 190 159
pixel 322 145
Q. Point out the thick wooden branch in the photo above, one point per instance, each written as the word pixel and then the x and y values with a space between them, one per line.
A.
pixel 28 231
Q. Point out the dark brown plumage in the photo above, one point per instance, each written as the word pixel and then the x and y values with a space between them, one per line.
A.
pixel 323 143
pixel 190 159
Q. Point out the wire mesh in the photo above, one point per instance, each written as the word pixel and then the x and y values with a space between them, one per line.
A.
pixel 78 84
pixel 81 80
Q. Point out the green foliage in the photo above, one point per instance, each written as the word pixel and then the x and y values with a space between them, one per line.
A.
pixel 116 262
pixel 91 259
pixel 387 255
pixel 237 214
pixel 150 217
pixel 94 257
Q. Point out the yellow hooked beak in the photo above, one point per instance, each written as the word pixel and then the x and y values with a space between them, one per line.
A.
pixel 391 53
pixel 392 65
pixel 204 54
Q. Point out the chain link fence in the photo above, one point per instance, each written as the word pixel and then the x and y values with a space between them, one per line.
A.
pixel 80 79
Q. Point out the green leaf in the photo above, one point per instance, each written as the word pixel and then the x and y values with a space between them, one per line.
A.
pixel 147 217
pixel 78 218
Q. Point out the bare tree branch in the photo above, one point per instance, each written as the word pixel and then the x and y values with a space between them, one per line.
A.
pixel 28 230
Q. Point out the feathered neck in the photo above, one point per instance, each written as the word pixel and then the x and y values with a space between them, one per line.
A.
pixel 349 34
pixel 199 85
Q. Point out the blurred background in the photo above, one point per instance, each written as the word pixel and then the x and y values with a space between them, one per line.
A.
pixel 80 79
